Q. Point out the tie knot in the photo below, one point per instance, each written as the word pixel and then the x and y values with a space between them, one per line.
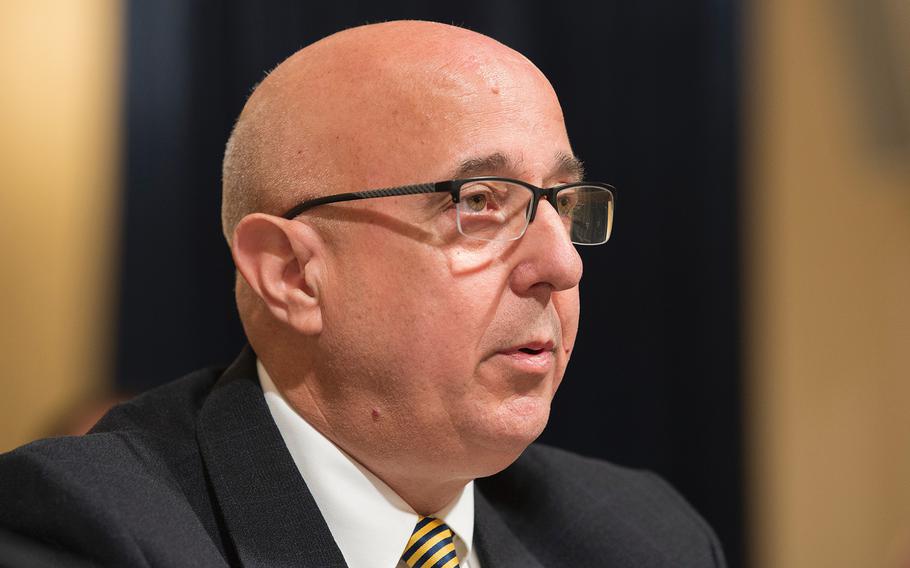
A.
pixel 432 545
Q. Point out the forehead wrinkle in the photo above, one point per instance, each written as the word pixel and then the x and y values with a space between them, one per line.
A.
pixel 495 163
pixel 565 166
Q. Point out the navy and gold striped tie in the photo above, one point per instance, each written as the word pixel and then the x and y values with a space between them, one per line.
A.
pixel 432 545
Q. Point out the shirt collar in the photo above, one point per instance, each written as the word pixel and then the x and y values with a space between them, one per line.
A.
pixel 370 523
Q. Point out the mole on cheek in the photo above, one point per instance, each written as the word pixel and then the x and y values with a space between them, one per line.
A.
pixel 494 90
pixel 375 415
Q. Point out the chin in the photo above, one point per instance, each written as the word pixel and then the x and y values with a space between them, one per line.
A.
pixel 508 431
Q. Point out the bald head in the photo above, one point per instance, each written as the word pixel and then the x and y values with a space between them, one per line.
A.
pixel 347 111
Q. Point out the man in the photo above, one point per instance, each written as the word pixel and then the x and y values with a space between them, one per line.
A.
pixel 404 342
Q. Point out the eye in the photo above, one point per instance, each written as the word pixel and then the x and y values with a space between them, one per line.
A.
pixel 476 202
pixel 567 202
pixel 482 198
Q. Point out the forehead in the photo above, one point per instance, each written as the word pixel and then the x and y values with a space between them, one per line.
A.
pixel 395 122
pixel 457 132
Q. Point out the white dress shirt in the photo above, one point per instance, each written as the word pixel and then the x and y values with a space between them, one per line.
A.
pixel 370 523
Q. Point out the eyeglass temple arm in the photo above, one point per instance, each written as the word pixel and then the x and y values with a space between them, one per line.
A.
pixel 438 187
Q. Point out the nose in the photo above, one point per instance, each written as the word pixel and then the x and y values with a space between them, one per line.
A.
pixel 546 258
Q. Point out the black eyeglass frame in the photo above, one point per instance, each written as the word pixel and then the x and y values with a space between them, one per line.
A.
pixel 452 187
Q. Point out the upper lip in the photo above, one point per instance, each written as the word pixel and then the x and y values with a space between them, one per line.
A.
pixel 534 346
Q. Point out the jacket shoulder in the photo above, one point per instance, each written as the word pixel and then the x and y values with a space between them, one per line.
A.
pixel 167 410
pixel 136 476
pixel 570 509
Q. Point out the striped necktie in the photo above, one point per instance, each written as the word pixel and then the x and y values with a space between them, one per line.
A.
pixel 432 545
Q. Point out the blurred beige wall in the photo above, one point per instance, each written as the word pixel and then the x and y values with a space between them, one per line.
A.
pixel 828 285
pixel 59 111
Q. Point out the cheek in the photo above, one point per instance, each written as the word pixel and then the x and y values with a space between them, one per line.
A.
pixel 403 308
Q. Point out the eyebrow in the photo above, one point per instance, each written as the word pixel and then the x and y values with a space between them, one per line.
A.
pixel 566 166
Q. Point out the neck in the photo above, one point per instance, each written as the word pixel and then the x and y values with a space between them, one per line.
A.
pixel 426 505
pixel 427 495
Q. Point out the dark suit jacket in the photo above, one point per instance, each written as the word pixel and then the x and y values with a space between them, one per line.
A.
pixel 195 473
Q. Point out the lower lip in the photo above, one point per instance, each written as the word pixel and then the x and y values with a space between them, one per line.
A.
pixel 529 362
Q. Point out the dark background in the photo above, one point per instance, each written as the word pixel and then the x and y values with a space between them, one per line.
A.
pixel 650 94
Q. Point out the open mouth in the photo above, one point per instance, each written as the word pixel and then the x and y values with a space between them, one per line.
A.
pixel 530 351
pixel 532 348
pixel 532 358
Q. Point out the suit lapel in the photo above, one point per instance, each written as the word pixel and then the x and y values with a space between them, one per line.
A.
pixel 268 511
pixel 497 546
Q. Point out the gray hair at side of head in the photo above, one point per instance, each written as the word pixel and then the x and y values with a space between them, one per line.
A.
pixel 261 172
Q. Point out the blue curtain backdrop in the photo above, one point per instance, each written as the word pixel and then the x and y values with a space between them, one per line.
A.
pixel 650 93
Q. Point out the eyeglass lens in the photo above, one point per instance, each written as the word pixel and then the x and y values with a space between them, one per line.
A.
pixel 499 211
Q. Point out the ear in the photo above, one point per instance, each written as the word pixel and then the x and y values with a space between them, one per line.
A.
pixel 281 261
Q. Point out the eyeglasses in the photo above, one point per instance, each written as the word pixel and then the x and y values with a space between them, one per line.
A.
pixel 500 209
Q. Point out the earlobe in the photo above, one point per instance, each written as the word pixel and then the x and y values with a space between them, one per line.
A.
pixel 280 261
